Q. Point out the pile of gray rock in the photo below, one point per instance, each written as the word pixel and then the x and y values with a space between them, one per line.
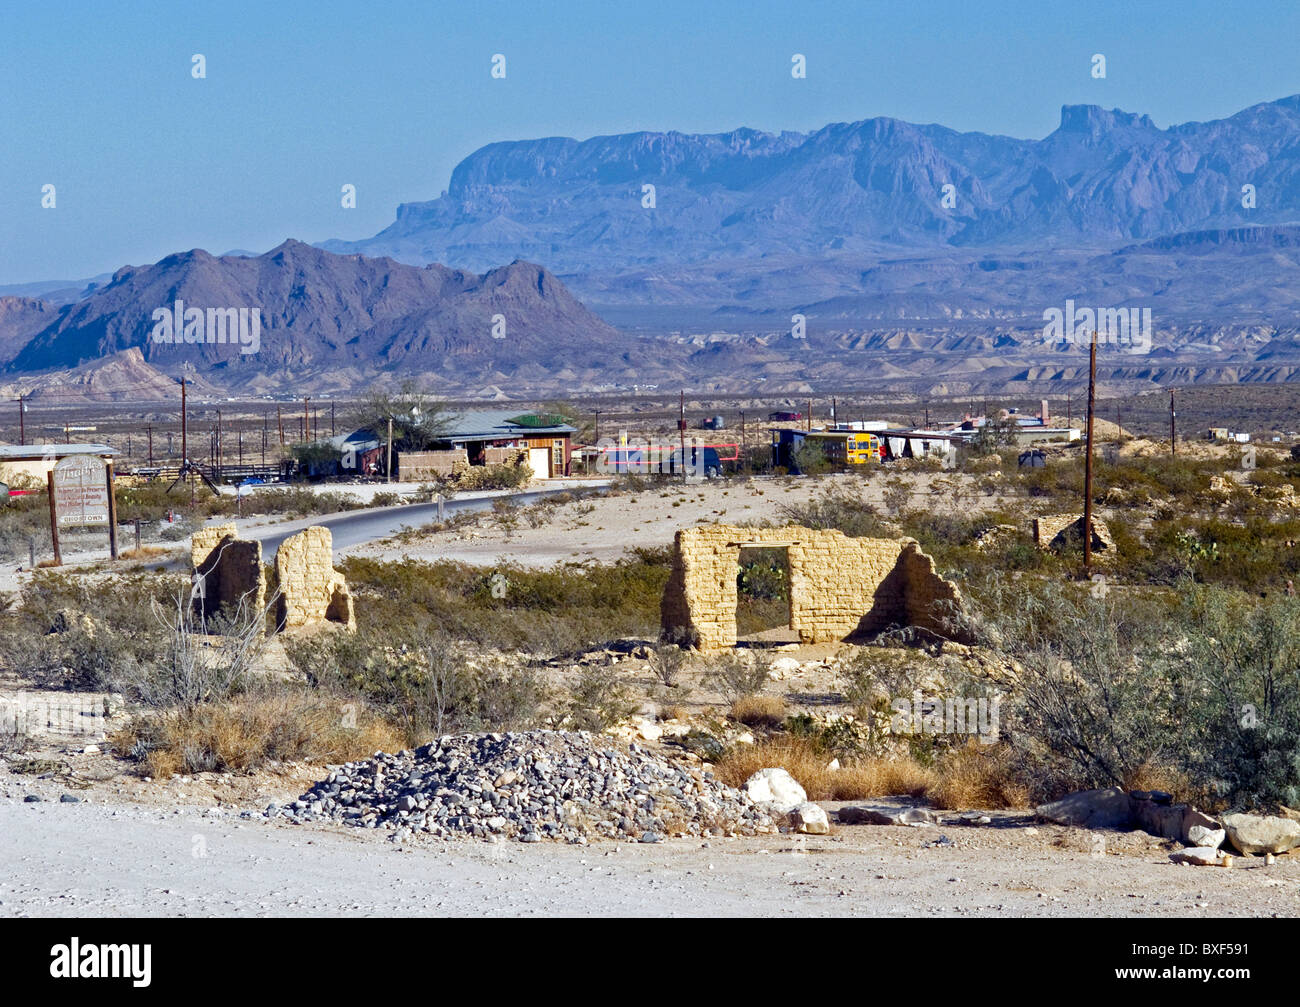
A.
pixel 530 786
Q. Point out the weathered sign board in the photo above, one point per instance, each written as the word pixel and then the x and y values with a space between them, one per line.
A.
pixel 81 491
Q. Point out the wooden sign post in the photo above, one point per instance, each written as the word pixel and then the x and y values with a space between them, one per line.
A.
pixel 81 493
pixel 54 519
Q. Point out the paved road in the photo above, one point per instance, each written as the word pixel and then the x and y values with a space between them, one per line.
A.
pixel 357 527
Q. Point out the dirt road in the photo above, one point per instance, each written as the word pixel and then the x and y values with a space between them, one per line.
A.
pixel 91 859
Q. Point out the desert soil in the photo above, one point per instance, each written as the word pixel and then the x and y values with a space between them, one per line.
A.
pixel 180 847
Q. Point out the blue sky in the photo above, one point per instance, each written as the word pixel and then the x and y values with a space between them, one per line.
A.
pixel 302 97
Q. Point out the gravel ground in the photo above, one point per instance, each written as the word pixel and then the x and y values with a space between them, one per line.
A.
pixel 113 859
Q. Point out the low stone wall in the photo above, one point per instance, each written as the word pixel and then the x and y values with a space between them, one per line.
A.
pixel 839 586
pixel 428 466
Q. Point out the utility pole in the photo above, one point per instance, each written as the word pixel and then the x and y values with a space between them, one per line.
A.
pixel 388 471
pixel 597 436
pixel 332 419
pixel 810 415
pixel 279 422
pixel 306 417
pixel 217 465
pixel 150 429
pixel 1087 464
pixel 1173 430
pixel 184 427
pixel 1069 416
pixel 22 428
pixel 681 429
pixel 744 454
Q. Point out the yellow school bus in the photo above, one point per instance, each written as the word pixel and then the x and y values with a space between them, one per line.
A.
pixel 848 447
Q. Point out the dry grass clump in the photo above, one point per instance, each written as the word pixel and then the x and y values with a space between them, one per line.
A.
pixel 246 732
pixel 759 711
pixel 973 776
pixel 978 776
pixel 867 777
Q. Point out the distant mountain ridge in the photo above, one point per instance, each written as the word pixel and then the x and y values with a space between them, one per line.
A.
pixel 320 313
pixel 1101 179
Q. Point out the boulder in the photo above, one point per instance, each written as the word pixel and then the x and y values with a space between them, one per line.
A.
pixel 1109 808
pixel 776 789
pixel 810 818
pixel 1164 820
pixel 1262 833
pixel 1199 856
pixel 1200 836
pixel 887 816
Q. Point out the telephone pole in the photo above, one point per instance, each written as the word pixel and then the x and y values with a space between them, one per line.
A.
pixel 1173 430
pixel 1087 464
pixel 681 429
pixel 22 428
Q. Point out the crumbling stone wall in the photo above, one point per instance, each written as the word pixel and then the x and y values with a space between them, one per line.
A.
pixel 311 590
pixel 839 586
pixel 1053 530
pixel 228 571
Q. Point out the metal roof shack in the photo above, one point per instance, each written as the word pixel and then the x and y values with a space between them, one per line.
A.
pixel 546 437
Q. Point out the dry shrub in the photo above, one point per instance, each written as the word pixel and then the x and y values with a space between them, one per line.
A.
pixel 861 778
pixel 246 732
pixel 1157 776
pixel 978 776
pixel 759 711
pixel 144 552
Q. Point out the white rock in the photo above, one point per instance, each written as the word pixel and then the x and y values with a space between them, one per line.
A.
pixel 1200 856
pixel 648 730
pixel 777 788
pixel 783 667
pixel 810 818
pixel 1200 836
pixel 833 765
pixel 90 750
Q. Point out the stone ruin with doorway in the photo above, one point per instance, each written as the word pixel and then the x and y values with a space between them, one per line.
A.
pixel 839 587
pixel 228 571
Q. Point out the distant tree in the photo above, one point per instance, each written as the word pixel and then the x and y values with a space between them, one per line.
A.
pixel 419 419
pixel 810 458
pixel 996 432
pixel 575 417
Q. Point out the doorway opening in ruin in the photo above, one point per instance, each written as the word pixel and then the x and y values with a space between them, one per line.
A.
pixel 763 610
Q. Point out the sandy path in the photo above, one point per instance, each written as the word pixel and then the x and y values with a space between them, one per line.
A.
pixel 87 859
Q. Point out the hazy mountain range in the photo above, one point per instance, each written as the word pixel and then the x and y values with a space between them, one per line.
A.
pixel 918 256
